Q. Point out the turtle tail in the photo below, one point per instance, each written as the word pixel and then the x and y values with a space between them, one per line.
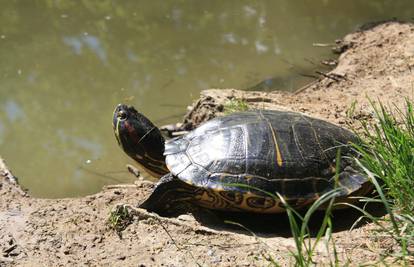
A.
pixel 351 183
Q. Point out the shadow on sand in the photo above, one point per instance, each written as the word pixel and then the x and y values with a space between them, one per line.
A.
pixel 271 225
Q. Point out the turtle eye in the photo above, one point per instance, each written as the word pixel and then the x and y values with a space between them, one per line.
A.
pixel 122 115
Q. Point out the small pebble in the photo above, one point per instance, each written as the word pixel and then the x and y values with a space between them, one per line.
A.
pixel 185 217
pixel 121 258
pixel 210 252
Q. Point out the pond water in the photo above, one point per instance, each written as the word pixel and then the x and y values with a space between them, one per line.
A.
pixel 66 64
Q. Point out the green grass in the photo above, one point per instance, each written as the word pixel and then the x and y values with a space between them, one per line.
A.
pixel 388 152
pixel 387 157
pixel 119 218
pixel 397 226
pixel 235 105
pixel 305 245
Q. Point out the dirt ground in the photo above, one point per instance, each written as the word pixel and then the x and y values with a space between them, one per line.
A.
pixel 375 62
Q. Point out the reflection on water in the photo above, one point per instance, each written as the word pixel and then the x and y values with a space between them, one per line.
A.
pixel 13 111
pixel 90 42
pixel 65 65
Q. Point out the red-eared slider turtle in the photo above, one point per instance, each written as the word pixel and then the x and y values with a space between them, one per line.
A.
pixel 228 163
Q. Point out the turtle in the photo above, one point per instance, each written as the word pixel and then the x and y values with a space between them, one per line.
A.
pixel 241 161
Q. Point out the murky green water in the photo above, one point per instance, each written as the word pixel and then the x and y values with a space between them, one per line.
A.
pixel 64 65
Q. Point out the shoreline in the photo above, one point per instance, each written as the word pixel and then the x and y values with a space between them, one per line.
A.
pixel 378 63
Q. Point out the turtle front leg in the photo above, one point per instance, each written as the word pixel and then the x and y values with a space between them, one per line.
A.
pixel 168 192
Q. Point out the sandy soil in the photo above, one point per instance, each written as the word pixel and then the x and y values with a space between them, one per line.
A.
pixel 376 62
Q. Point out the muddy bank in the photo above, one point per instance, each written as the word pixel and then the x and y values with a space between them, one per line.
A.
pixel 375 62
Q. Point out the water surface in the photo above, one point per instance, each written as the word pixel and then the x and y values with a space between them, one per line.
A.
pixel 66 64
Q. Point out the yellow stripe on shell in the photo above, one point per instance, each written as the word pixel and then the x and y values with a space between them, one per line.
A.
pixel 278 155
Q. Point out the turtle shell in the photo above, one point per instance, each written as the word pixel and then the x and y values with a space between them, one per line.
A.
pixel 272 151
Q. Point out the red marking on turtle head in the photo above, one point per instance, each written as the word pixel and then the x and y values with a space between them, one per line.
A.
pixel 132 132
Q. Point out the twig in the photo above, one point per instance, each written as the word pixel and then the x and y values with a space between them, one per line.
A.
pixel 99 174
pixel 10 249
pixel 329 76
pixel 175 243
pixel 258 99
pixel 223 246
pixel 143 214
pixel 322 44
pixel 303 88
pixel 133 170
pixel 310 61
pixel 308 75
pixel 116 186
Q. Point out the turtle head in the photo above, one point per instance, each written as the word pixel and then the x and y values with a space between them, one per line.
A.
pixel 140 139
